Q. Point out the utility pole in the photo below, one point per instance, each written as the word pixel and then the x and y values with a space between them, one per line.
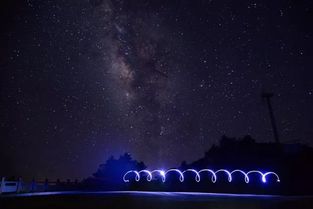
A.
pixel 267 96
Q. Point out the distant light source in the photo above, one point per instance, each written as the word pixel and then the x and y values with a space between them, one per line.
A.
pixel 163 174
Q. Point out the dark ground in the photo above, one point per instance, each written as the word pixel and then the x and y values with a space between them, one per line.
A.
pixel 151 200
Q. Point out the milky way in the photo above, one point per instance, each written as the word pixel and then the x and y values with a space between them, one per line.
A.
pixel 141 77
pixel 162 80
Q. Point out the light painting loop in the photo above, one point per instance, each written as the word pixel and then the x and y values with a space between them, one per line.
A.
pixel 154 174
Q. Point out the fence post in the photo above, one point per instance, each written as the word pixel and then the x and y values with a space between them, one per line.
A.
pixel 46 185
pixel 2 185
pixel 19 185
pixel 33 185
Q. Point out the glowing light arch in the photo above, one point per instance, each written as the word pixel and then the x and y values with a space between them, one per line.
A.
pixel 149 176
pixel 240 171
pixel 197 178
pixel 137 178
pixel 181 175
pixel 160 172
pixel 259 172
pixel 213 178
pixel 270 173
pixel 225 171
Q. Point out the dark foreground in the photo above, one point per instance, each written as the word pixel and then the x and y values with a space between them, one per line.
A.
pixel 150 200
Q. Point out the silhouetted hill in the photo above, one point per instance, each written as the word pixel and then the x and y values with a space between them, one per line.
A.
pixel 292 162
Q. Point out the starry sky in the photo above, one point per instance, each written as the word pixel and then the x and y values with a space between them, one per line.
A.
pixel 163 80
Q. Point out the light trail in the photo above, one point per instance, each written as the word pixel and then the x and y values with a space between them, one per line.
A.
pixel 154 174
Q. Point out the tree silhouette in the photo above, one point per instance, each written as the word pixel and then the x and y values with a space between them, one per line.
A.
pixel 114 169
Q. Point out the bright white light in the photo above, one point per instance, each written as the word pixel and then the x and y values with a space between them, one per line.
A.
pixel 263 179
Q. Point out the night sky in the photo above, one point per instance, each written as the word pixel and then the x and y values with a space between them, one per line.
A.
pixel 163 80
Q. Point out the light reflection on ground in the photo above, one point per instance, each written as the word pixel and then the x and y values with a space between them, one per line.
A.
pixel 174 195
